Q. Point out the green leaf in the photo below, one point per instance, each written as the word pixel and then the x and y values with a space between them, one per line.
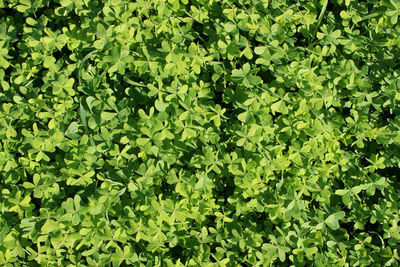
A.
pixel 107 116
pixel 72 131
pixel 160 106
pixel 50 226
pixel 333 220
pixel 280 107
pixel 222 44
pixel 229 27
pixel 24 5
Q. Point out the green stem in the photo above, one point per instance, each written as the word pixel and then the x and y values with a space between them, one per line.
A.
pixel 321 15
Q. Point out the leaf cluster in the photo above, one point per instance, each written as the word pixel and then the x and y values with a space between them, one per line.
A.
pixel 199 133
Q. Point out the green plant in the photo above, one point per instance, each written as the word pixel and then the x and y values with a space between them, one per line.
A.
pixel 199 133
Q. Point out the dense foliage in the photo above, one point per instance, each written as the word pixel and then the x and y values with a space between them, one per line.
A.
pixel 199 132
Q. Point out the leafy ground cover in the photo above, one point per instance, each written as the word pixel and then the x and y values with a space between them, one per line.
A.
pixel 199 133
